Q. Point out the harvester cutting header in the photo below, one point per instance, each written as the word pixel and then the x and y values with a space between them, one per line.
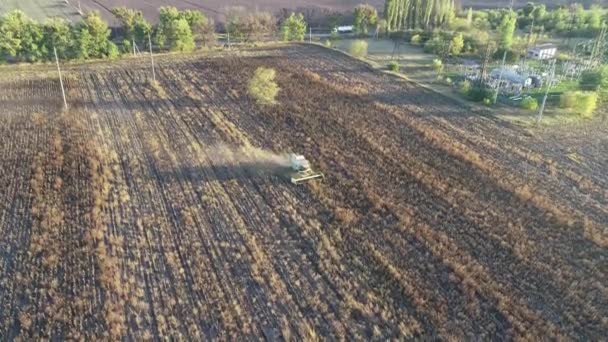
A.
pixel 303 171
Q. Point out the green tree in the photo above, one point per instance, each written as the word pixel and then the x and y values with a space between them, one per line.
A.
pixel 457 44
pixel 20 37
pixel 293 28
pixel 135 26
pixel 506 29
pixel 594 18
pixel 366 17
pixel 56 32
pixel 180 36
pixel 412 14
pixel 596 80
pixel 263 87
pixel 167 15
pixel 92 38
pixel 200 25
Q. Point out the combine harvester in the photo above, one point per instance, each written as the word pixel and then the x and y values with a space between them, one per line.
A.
pixel 303 172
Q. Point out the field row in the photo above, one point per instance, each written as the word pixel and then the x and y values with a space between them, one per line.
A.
pixel 126 216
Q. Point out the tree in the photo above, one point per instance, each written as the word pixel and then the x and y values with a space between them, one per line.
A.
pixel 259 24
pixel 413 14
pixel 56 33
pixel 594 19
pixel 200 25
pixel 20 37
pixel 506 29
pixel 167 15
pixel 263 87
pixel 457 44
pixel 293 28
pixel 382 27
pixel 596 80
pixel 235 22
pixel 92 38
pixel 180 36
pixel 135 26
pixel 366 16
pixel 246 25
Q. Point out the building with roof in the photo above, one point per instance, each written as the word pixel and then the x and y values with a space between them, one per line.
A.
pixel 543 51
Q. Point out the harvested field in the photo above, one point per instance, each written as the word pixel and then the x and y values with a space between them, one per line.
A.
pixel 120 218
pixel 41 9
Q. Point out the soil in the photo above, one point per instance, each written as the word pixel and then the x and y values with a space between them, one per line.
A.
pixel 433 221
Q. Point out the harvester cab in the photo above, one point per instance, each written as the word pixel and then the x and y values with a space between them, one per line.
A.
pixel 302 170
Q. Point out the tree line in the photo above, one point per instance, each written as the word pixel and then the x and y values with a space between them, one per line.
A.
pixel 418 14
pixel 23 39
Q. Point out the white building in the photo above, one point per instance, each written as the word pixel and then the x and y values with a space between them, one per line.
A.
pixel 543 51
pixel 344 29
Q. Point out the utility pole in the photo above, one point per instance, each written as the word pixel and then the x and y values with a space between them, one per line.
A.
pixel 549 85
pixel 65 102
pixel 502 69
pixel 310 34
pixel 151 57
pixel 133 45
pixel 228 39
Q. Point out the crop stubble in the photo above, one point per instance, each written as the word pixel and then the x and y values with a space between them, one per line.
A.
pixel 117 220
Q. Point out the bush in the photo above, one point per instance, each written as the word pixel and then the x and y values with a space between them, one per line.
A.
pixel 479 94
pixel 358 48
pixel 327 43
pixel 582 103
pixel 464 87
pixel 512 57
pixel 437 65
pixel 529 103
pixel 393 66
pixel 416 39
pixel 293 28
pixel 594 80
pixel 262 86
pixel 434 45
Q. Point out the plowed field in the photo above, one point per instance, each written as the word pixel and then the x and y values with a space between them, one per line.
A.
pixel 119 219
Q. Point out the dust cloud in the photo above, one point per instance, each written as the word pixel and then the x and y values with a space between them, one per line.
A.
pixel 248 158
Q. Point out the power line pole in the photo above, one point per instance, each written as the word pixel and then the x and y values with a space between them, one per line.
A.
pixel 65 102
pixel 310 34
pixel 502 68
pixel 549 85
pixel 151 57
